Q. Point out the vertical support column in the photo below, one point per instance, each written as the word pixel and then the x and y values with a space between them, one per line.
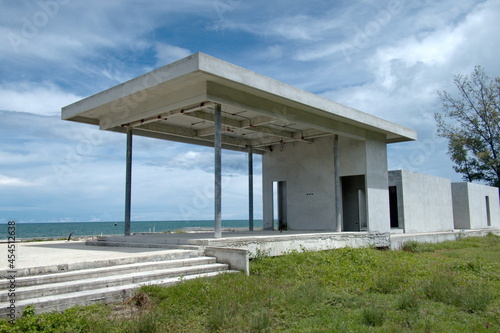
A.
pixel 338 193
pixel 218 172
pixel 250 189
pixel 128 182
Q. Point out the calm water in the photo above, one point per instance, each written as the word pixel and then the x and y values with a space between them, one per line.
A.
pixel 34 230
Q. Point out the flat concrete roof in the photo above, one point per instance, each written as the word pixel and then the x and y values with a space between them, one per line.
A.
pixel 176 102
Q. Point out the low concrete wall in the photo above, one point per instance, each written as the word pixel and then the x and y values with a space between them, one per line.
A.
pixel 237 259
pixel 397 240
pixel 282 244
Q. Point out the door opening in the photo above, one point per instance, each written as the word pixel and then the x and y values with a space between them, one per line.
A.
pixel 393 206
pixel 279 205
pixel 488 214
pixel 354 203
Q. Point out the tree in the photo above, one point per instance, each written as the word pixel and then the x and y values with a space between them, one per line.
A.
pixel 471 123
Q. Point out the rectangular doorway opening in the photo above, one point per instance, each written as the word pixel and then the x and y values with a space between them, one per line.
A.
pixel 488 213
pixel 279 205
pixel 354 203
pixel 393 206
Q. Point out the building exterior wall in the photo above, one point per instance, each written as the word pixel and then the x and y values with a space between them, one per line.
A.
pixel 470 208
pixel 461 213
pixel 308 170
pixel 424 202
pixel 309 175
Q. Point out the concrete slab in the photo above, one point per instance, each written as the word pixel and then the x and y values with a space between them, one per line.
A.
pixel 268 242
pixel 50 256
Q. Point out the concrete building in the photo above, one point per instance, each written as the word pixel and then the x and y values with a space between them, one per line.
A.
pixel 327 161
pixel 475 206
pixel 419 203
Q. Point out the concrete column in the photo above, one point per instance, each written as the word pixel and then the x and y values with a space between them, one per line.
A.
pixel 338 193
pixel 128 182
pixel 250 189
pixel 377 184
pixel 218 173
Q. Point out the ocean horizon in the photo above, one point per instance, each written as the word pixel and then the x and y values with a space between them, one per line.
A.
pixel 80 229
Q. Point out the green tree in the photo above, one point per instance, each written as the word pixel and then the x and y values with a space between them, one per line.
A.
pixel 471 123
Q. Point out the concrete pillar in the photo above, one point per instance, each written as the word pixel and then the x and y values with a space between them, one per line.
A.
pixel 338 193
pixel 128 182
pixel 377 184
pixel 250 189
pixel 218 172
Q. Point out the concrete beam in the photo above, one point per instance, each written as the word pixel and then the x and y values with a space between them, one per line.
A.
pixel 239 99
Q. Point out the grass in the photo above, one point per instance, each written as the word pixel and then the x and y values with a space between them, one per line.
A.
pixel 445 287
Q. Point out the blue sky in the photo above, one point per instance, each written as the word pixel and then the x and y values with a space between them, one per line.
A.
pixel 387 58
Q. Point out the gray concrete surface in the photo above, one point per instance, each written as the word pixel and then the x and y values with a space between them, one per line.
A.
pixel 424 202
pixel 52 256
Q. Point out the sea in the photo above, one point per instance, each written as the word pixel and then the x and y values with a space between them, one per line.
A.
pixel 80 229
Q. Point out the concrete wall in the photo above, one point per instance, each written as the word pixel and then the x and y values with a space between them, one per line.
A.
pixel 424 202
pixel 470 209
pixel 308 170
pixel 309 175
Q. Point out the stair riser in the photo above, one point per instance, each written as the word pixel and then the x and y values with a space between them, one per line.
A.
pixel 113 270
pixel 111 282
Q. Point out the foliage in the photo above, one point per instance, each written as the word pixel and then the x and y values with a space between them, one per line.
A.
pixel 448 287
pixel 471 123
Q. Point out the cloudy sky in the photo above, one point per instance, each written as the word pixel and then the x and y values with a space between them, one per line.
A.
pixel 387 58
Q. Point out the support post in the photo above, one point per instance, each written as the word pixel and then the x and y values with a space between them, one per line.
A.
pixel 128 182
pixel 250 189
pixel 218 172
pixel 338 208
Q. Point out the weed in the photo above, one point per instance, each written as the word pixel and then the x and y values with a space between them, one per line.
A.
pixel 470 297
pixel 373 316
pixel 408 301
pixel 388 283
pixel 414 246
pixel 29 311
pixel 344 290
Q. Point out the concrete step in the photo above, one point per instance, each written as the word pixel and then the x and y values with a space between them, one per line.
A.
pixel 47 269
pixel 116 280
pixel 102 295
pixel 104 271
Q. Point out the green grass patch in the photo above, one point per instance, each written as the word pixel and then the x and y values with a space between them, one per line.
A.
pixel 445 287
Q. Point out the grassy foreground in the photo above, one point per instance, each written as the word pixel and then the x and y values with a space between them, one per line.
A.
pixel 446 287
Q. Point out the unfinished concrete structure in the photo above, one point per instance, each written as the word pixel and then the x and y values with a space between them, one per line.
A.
pixel 475 206
pixel 422 204
pixel 327 161
pixel 419 203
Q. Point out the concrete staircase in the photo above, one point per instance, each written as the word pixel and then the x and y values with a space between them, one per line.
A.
pixel 111 284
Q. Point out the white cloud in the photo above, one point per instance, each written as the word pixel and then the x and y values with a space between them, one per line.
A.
pixel 11 181
pixel 38 98
pixel 166 54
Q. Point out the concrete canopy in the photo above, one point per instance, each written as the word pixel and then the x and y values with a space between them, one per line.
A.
pixel 177 102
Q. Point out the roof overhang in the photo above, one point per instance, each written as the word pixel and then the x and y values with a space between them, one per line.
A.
pixel 176 102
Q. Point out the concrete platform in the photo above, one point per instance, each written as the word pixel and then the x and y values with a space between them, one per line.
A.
pixel 272 243
pixel 56 256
